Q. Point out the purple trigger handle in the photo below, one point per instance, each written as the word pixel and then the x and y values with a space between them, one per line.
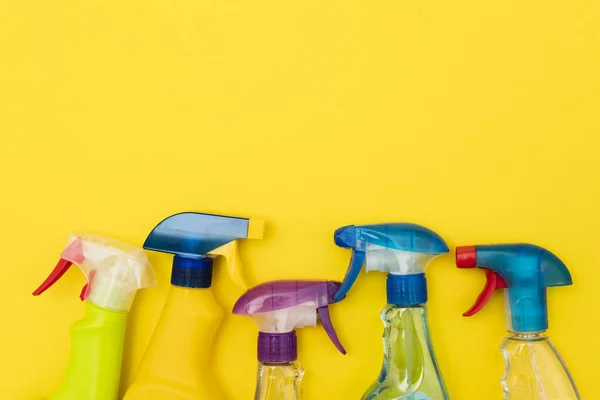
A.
pixel 326 321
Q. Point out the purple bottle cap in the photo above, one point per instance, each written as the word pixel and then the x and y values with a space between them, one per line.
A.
pixel 277 348
pixel 279 307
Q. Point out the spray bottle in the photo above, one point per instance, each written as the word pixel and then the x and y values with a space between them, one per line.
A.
pixel 176 365
pixel 410 370
pixel 278 308
pixel 114 271
pixel 534 370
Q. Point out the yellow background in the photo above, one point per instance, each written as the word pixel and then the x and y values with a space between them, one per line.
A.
pixel 478 119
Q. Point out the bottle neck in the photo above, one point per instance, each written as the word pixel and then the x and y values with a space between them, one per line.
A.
pixel 279 381
pixel 277 348
pixel 527 336
pixel 406 290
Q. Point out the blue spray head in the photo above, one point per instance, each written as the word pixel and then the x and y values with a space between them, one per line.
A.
pixel 195 239
pixel 525 271
pixel 401 249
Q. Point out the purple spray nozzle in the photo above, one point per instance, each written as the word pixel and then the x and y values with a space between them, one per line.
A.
pixel 279 307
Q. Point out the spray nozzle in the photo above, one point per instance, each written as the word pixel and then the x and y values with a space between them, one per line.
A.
pixel 525 270
pixel 402 249
pixel 114 270
pixel 196 238
pixel 279 307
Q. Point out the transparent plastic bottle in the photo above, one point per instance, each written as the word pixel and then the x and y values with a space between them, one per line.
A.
pixel 402 251
pixel 410 370
pixel 279 381
pixel 534 370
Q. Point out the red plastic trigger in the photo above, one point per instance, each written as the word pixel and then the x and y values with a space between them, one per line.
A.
pixel 493 282
pixel 87 289
pixel 75 252
pixel 61 267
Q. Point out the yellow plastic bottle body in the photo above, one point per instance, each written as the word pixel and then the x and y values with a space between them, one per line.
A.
pixel 94 368
pixel 176 365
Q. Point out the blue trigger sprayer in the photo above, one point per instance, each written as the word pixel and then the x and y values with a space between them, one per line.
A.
pixel 403 250
pixel 534 370
pixel 177 363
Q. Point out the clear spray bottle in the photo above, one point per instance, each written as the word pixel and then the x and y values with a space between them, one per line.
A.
pixel 410 370
pixel 534 370
pixel 278 308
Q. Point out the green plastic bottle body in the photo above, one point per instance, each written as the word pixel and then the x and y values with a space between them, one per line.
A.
pixel 410 370
pixel 94 368
pixel 281 381
pixel 534 370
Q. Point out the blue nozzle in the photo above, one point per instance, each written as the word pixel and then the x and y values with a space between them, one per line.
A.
pixel 526 270
pixel 190 236
pixel 384 242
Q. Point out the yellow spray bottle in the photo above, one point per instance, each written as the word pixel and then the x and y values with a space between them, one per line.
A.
pixel 115 271
pixel 176 365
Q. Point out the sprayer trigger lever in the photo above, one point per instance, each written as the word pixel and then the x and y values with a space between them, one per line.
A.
pixel 327 324
pixel 493 282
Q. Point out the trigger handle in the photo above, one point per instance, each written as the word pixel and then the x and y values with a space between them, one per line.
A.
pixel 356 263
pixel 493 282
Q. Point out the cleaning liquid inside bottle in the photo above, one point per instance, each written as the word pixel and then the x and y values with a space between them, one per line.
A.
pixel 279 381
pixel 534 370
pixel 410 370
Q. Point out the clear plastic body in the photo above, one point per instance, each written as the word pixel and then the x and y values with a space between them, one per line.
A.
pixel 410 370
pixel 534 370
pixel 279 381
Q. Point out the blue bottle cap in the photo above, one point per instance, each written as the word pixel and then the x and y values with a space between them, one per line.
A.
pixel 192 272
pixel 406 290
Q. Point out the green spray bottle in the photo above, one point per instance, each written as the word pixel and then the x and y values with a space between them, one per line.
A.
pixel 114 271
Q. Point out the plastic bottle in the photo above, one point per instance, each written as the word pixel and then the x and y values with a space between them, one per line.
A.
pixel 115 271
pixel 410 370
pixel 278 308
pixel 534 370
pixel 176 365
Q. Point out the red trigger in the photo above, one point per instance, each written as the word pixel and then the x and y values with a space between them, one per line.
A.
pixel 61 267
pixel 87 289
pixel 493 282
pixel 74 252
